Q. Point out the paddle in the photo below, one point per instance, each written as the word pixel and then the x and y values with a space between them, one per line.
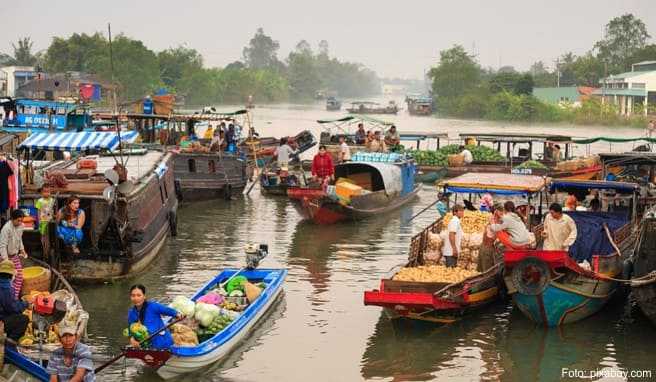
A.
pixel 111 361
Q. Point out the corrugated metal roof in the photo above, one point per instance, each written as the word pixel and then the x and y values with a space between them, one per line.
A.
pixel 621 92
pixel 555 95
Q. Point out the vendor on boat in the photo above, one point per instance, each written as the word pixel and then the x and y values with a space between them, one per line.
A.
pixel 442 204
pixel 559 230
pixel 360 135
pixel 11 308
pixel 218 140
pixel 323 170
pixel 344 150
pixel 12 249
pixel 149 313
pixel 469 158
pixel 377 145
pixel 453 241
pixel 72 361
pixel 511 231
pixel 392 137
pixel 70 220
pixel 285 152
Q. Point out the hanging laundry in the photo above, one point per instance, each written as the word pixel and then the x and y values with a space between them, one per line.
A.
pixel 5 173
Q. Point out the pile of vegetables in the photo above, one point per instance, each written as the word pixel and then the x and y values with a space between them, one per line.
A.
pixel 433 274
pixel 532 164
pixel 439 157
pixel 472 222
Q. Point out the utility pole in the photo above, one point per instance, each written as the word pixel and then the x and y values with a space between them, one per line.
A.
pixel 558 72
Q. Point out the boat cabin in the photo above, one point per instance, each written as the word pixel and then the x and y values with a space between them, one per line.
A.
pixel 374 172
pixel 518 148
pixel 20 114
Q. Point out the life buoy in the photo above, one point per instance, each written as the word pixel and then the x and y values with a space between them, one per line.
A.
pixel 173 223
pixel 531 276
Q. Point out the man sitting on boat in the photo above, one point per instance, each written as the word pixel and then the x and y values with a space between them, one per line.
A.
pixel 149 314
pixel 360 135
pixel 511 231
pixel 344 150
pixel 285 152
pixel 392 137
pixel 11 308
pixel 72 361
pixel 559 230
pixel 377 145
pixel 469 158
pixel 70 220
pixel 323 170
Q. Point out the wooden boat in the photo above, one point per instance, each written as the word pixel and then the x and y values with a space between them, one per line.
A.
pixel 418 105
pixel 24 363
pixel 643 283
pixel 209 175
pixel 430 174
pixel 126 225
pixel 442 302
pixel 333 104
pixel 25 113
pixel 550 287
pixel 182 360
pixel 633 167
pixel 364 107
pixel 272 184
pixel 262 150
pixel 387 186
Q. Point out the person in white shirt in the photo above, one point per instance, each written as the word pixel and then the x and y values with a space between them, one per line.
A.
pixel 467 154
pixel 451 249
pixel 344 150
pixel 285 152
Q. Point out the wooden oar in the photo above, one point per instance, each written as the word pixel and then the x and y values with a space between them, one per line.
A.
pixel 111 361
pixel 424 210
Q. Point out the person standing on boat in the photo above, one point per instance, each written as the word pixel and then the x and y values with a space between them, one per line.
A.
pixel 230 138
pixel 559 230
pixel 651 127
pixel 392 137
pixel 12 249
pixel 285 153
pixel 453 241
pixel 344 150
pixel 377 145
pixel 72 361
pixel 45 205
pixel 442 204
pixel 149 313
pixel 70 220
pixel 360 135
pixel 323 169
pixel 11 308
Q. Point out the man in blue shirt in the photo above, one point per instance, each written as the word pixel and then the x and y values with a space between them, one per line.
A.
pixel 72 361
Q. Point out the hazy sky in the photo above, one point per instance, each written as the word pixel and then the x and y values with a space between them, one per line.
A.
pixel 395 38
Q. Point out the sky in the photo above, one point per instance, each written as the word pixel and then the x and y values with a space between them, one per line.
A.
pixel 396 39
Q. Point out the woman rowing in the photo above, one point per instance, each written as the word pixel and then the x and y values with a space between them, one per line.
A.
pixel 149 314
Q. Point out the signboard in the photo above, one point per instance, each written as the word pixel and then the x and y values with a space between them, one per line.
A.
pixel 42 120
pixel 521 171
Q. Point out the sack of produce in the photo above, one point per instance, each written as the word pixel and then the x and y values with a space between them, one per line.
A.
pixel 435 242
pixel 468 259
pixel 211 298
pixel 433 274
pixel 432 257
pixel 183 305
pixel 475 240
pixel 183 335
pixel 205 313
pixel 472 222
pixel 252 291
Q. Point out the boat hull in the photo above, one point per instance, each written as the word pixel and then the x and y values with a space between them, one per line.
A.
pixel 205 176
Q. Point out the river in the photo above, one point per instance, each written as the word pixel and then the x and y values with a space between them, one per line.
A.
pixel 320 330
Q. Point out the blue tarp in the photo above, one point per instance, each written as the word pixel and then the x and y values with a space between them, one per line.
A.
pixel 77 141
pixel 565 185
pixel 482 190
pixel 591 237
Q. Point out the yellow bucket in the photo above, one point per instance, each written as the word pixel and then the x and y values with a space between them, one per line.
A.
pixel 35 279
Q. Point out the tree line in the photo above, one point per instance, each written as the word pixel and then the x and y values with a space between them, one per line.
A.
pixel 140 71
pixel 463 88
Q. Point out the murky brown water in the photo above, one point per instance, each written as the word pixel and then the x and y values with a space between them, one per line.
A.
pixel 320 330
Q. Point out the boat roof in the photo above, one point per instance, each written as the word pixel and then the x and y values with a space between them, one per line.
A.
pixel 390 172
pixel 628 158
pixel 494 183
pixel 138 166
pixel 517 137
pixel 77 141
pixel 614 140
pixel 355 119
pixel 566 185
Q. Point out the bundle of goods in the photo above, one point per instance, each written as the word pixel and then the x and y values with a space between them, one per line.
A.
pixel 194 147
pixel 441 157
pixel 213 311
pixel 532 164
pixel 433 274
pixel 578 164
pixel 473 226
pixel 75 317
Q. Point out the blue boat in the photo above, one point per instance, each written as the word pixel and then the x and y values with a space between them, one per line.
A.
pixel 36 115
pixel 22 367
pixel 553 288
pixel 182 360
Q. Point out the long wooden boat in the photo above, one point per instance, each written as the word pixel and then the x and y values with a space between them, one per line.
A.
pixel 263 149
pixel 419 105
pixel 182 360
pixel 643 283
pixel 126 226
pixel 387 186
pixel 209 175
pixel 26 362
pixel 551 288
pixel 443 302
pixel 372 108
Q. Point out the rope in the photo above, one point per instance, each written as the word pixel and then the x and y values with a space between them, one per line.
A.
pixel 650 275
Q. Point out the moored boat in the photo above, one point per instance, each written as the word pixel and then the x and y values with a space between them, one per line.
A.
pixel 366 107
pixel 373 184
pixel 553 288
pixel 643 276
pixel 333 104
pixel 181 360
pixel 442 299
pixel 419 105
pixel 41 115
pixel 126 223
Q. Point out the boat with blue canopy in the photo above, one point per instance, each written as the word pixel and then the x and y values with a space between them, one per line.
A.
pixel 30 114
pixel 369 185
pixel 553 288
pixel 179 360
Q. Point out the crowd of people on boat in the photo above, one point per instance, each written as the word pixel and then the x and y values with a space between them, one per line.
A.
pixel 374 141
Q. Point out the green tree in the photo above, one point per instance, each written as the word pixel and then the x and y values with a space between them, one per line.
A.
pixel 174 62
pixel 302 72
pixel 524 85
pixel 504 81
pixel 624 36
pixel 541 75
pixel 588 70
pixel 261 51
pixel 23 55
pixel 457 73
pixel 79 52
pixel 565 67
pixel 647 53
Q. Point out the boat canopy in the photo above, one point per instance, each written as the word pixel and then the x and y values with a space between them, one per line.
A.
pixel 384 176
pixel 638 158
pixel 516 137
pixel 586 141
pixel 500 184
pixel 567 185
pixel 355 119
pixel 77 141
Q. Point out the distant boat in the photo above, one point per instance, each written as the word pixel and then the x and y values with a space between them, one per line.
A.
pixel 419 105
pixel 333 104
pixel 366 107
pixel 24 113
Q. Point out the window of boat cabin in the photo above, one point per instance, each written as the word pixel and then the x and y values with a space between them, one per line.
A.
pixel 211 166
pixel 192 165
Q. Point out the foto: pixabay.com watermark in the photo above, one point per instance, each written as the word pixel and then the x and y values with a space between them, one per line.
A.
pixel 605 373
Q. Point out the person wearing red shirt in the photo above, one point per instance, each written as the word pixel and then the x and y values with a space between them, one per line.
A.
pixel 322 166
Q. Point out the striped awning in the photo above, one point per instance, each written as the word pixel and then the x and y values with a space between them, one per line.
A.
pixel 105 140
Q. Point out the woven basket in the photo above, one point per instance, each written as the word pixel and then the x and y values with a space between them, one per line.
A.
pixel 35 279
pixel 456 160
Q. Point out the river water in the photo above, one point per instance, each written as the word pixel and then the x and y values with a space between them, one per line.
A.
pixel 320 330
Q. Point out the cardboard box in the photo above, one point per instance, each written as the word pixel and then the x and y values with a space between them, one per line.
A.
pixel 347 190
